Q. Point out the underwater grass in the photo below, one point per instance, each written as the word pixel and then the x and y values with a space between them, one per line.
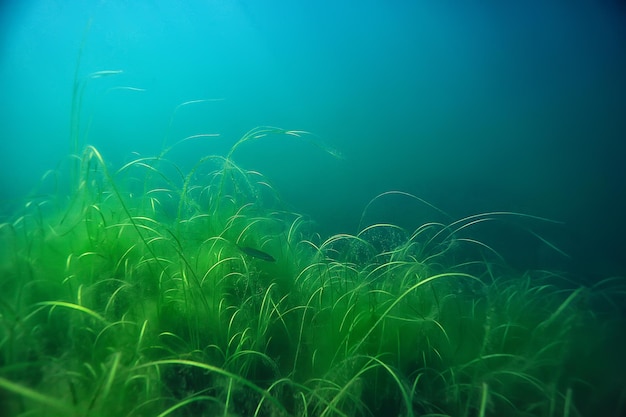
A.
pixel 118 300
pixel 149 291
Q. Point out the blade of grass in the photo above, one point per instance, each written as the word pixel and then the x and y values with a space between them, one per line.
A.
pixel 76 307
pixel 240 380
pixel 35 396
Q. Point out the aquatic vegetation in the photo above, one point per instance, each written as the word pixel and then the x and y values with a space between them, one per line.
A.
pixel 152 292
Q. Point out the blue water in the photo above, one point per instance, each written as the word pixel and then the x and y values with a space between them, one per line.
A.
pixel 472 105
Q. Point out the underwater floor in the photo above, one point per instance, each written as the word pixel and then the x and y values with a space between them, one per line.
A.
pixel 148 291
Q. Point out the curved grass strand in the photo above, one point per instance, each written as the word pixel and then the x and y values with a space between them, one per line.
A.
pixel 186 402
pixel 75 307
pixel 220 371
pixel 403 295
pixel 36 397
pixel 401 193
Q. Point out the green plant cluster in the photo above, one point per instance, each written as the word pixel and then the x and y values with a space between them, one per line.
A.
pixel 153 292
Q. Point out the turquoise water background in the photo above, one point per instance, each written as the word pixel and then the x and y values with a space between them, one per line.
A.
pixel 472 105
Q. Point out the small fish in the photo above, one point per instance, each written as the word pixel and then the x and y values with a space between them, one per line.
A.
pixel 255 253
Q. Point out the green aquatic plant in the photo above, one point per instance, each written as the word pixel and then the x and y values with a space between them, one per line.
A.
pixel 153 291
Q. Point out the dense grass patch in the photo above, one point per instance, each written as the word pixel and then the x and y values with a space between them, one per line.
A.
pixel 155 292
